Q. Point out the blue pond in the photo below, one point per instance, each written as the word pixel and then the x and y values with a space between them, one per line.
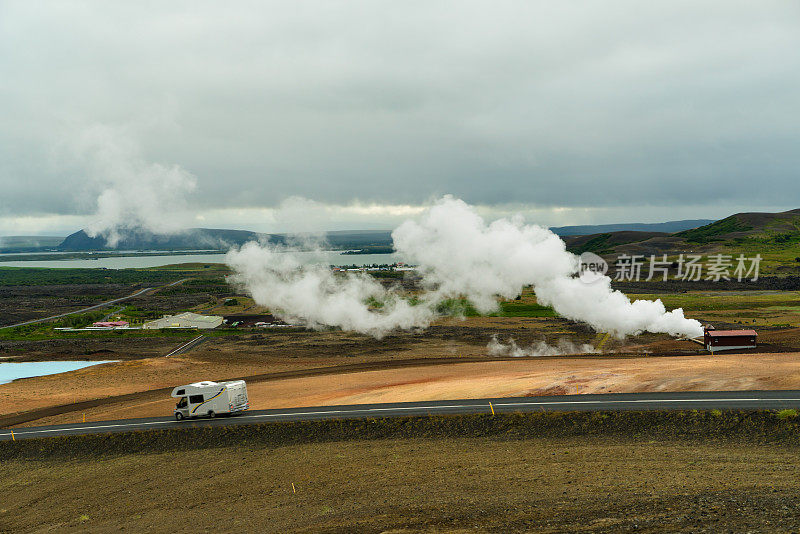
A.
pixel 13 370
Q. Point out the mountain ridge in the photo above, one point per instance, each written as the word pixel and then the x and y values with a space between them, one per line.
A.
pixel 215 239
pixel 773 236
pixel 220 239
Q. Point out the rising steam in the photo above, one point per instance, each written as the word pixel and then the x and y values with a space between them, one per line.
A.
pixel 458 255
pixel 133 193
pixel 540 348
pixel 315 296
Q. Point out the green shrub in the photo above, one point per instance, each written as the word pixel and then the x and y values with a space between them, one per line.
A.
pixel 81 320
pixel 27 276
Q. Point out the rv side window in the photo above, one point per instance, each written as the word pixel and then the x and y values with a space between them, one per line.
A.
pixel 194 399
pixel 181 392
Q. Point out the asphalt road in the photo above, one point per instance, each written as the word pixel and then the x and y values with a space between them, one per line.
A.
pixel 705 400
pixel 186 347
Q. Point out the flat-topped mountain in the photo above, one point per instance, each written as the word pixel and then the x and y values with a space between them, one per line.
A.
pixel 215 239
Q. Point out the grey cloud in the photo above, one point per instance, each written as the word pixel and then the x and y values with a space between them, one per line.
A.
pixel 544 103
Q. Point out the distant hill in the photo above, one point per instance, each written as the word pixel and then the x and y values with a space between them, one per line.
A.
pixel 365 240
pixel 666 227
pixel 607 242
pixel 215 239
pixel 192 239
pixel 25 243
pixel 781 227
pixel 775 236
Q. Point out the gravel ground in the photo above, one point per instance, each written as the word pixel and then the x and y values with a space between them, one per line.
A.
pixel 589 484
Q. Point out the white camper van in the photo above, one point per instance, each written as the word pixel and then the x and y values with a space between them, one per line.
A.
pixel 210 399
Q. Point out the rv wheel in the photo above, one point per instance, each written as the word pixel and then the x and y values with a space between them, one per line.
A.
pixel 211 414
pixel 178 416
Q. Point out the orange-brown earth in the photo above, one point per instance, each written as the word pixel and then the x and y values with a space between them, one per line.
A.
pixel 522 377
pixel 647 363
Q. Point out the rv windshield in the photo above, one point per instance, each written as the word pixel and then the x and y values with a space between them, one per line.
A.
pixel 182 403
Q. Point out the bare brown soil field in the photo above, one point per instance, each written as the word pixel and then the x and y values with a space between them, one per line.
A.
pixel 442 485
pixel 99 348
pixel 144 374
pixel 223 358
pixel 518 378
pixel 244 355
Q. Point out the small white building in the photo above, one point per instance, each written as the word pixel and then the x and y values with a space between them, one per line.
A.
pixel 185 320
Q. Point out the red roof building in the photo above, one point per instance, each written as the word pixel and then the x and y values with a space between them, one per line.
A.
pixel 110 324
pixel 715 340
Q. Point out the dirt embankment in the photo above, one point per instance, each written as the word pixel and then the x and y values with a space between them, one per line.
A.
pixel 563 475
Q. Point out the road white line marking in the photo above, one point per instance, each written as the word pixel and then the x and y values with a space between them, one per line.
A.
pixel 239 418
pixel 365 410
pixel 183 346
pixel 633 400
pixel 403 408
pixel 90 427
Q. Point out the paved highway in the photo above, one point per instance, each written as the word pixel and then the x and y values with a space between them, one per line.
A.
pixel 705 400
pixel 186 347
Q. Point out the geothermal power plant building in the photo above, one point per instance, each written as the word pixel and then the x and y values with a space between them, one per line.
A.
pixel 185 320
pixel 715 340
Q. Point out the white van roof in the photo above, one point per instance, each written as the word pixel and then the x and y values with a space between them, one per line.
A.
pixel 203 384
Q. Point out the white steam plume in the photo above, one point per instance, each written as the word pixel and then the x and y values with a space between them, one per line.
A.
pixel 540 348
pixel 315 296
pixel 134 193
pixel 457 254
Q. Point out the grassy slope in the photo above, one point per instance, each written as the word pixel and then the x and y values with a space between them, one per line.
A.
pixel 725 300
pixel 715 231
pixel 776 236
pixel 753 308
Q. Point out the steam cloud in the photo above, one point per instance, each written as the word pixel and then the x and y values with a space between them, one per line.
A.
pixel 540 348
pixel 457 254
pixel 135 194
pixel 315 296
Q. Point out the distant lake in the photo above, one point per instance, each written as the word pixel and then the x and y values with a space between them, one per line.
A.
pixel 332 257
pixel 10 371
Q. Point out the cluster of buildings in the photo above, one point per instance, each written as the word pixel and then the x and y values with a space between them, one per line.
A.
pixel 399 266
pixel 181 320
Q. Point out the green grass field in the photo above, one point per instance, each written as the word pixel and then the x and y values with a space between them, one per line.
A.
pixel 725 300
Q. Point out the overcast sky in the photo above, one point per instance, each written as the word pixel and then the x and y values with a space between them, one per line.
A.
pixel 333 115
